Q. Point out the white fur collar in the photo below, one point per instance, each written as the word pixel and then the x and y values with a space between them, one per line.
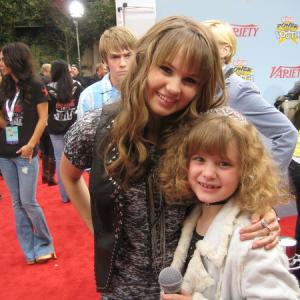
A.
pixel 213 247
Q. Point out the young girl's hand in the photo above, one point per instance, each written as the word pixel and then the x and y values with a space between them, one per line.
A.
pixel 270 235
pixel 183 296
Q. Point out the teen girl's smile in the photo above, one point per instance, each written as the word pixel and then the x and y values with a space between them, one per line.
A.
pixel 171 87
pixel 213 178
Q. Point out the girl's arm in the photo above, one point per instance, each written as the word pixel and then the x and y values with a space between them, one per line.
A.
pixel 268 240
pixel 76 189
pixel 77 156
pixel 27 150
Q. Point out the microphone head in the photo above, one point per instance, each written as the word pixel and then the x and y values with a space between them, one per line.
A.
pixel 170 280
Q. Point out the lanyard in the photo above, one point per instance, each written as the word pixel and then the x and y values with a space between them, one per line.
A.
pixel 10 110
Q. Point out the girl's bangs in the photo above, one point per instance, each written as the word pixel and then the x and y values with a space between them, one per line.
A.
pixel 214 140
pixel 187 44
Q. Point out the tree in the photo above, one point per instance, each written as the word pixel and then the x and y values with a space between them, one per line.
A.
pixel 48 28
pixel 100 16
pixel 13 12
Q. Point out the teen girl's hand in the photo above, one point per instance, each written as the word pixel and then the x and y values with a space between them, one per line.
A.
pixel 26 152
pixel 265 226
pixel 183 296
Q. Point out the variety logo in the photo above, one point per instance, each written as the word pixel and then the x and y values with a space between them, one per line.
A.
pixel 249 30
pixel 285 72
pixel 242 70
pixel 287 30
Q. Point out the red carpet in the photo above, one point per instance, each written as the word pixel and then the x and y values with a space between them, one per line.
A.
pixel 70 277
pixel 288 225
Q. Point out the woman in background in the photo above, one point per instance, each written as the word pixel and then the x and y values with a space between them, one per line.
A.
pixel 24 106
pixel 46 148
pixel 64 93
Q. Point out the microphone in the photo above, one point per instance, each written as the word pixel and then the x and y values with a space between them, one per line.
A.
pixel 170 280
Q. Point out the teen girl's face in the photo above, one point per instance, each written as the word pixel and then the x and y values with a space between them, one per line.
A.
pixel 213 178
pixel 3 68
pixel 171 87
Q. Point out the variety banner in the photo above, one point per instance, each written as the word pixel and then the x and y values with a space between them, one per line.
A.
pixel 268 33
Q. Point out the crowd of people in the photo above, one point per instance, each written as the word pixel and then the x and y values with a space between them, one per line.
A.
pixel 179 175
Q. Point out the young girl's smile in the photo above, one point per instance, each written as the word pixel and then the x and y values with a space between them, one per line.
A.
pixel 213 178
pixel 171 87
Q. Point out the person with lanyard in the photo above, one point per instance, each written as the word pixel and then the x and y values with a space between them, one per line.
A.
pixel 174 74
pixel 245 97
pixel 24 106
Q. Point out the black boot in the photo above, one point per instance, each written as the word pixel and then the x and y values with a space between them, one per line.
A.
pixel 45 168
pixel 51 171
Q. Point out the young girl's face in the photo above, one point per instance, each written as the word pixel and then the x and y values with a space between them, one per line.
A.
pixel 213 178
pixel 171 87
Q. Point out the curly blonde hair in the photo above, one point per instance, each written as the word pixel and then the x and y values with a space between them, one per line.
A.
pixel 161 44
pixel 260 185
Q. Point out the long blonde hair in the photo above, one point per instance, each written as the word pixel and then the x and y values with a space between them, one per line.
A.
pixel 160 44
pixel 260 183
pixel 224 34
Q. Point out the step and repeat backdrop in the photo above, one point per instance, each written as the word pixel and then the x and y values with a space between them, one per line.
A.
pixel 268 34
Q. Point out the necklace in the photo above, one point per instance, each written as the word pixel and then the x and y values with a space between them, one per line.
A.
pixel 216 203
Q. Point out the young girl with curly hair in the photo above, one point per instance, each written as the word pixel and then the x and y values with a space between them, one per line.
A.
pixel 220 161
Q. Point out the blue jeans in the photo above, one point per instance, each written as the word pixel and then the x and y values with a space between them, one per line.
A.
pixel 58 146
pixel 32 230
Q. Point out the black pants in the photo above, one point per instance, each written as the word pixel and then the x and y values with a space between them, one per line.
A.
pixel 46 144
